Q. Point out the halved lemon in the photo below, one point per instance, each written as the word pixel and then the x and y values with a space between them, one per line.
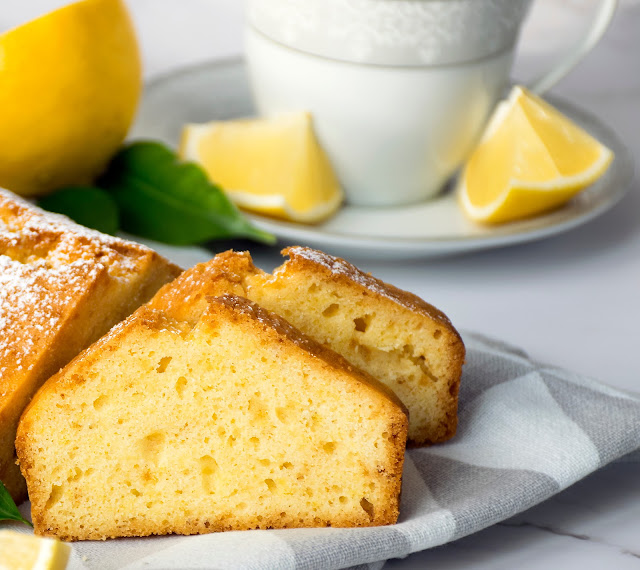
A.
pixel 69 86
pixel 273 166
pixel 531 159
pixel 27 552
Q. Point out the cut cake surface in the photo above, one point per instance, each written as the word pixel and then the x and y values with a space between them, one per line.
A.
pixel 61 287
pixel 232 420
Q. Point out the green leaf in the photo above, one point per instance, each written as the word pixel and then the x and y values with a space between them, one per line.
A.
pixel 164 199
pixel 91 207
pixel 8 509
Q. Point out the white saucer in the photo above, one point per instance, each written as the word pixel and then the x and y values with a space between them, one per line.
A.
pixel 219 90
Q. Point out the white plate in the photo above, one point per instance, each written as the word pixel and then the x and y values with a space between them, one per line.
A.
pixel 219 90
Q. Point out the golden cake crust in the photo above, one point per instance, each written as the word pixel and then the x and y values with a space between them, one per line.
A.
pixel 342 271
pixel 56 281
pixel 185 297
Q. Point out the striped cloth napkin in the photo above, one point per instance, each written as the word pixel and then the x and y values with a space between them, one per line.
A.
pixel 526 432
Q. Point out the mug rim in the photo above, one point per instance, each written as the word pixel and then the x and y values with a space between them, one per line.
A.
pixel 394 33
pixel 406 66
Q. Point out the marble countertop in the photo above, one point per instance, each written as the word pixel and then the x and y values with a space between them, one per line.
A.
pixel 570 300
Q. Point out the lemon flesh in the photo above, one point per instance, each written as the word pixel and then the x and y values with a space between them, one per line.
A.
pixel 27 552
pixel 69 86
pixel 272 166
pixel 530 160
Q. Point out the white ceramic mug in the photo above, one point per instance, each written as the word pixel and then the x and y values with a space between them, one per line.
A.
pixel 400 90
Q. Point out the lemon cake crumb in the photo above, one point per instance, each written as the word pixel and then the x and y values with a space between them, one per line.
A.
pixel 232 420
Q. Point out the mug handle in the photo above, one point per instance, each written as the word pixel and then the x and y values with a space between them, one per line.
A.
pixel 568 62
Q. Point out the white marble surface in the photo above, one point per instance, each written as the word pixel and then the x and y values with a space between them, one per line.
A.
pixel 570 300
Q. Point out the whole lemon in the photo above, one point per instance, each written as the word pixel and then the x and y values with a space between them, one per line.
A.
pixel 70 82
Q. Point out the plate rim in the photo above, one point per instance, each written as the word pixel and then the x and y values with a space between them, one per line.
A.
pixel 621 172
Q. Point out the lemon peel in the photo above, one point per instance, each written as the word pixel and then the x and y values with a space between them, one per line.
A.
pixel 70 83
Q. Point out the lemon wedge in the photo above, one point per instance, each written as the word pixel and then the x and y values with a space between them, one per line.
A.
pixel 70 83
pixel 531 159
pixel 27 552
pixel 272 166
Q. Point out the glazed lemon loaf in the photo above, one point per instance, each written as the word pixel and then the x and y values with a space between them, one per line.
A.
pixel 62 286
pixel 232 421
pixel 396 337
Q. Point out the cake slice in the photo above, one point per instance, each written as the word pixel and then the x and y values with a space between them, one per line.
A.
pixel 232 421
pixel 62 286
pixel 396 337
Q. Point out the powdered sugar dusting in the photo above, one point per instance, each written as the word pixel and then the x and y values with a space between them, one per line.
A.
pixel 25 228
pixel 46 221
pixel 47 262
pixel 33 300
pixel 340 267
